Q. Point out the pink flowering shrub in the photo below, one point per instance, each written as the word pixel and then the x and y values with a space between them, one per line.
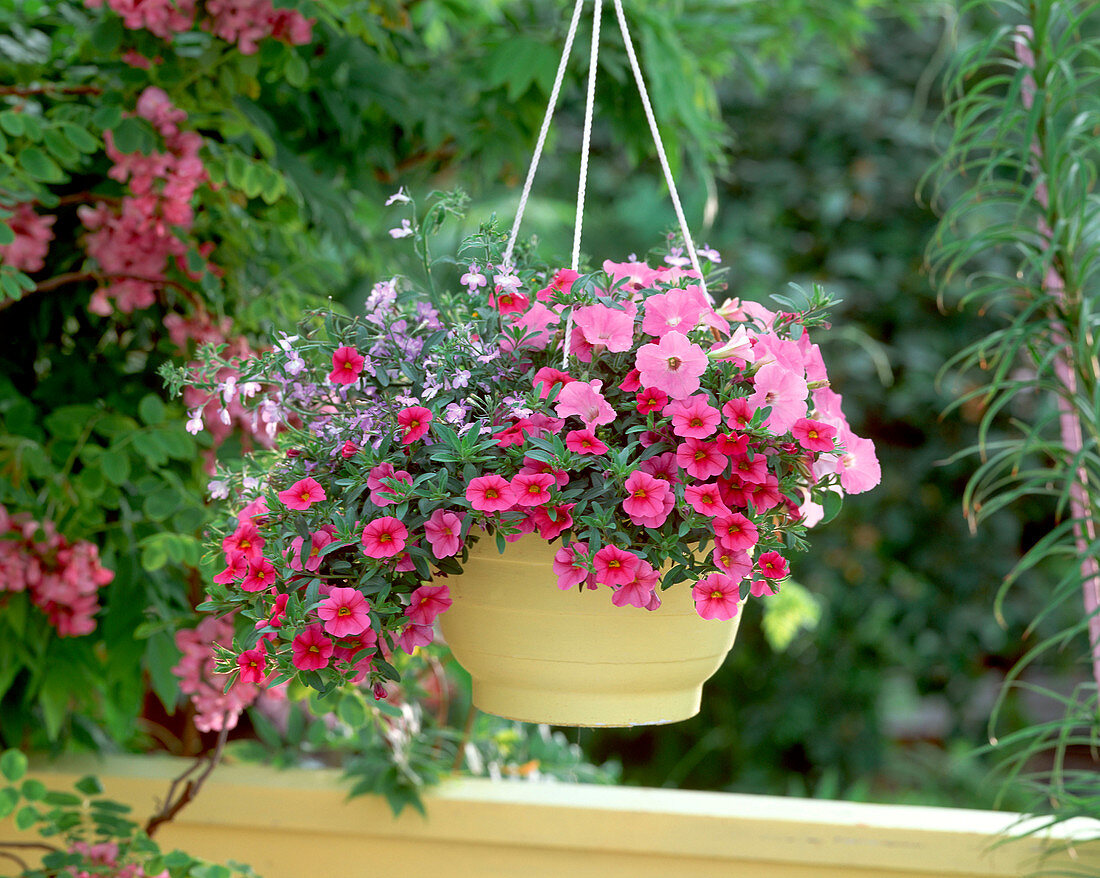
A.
pixel 61 578
pixel 654 437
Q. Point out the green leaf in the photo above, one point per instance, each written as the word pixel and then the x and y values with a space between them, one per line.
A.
pixel 162 503
pixel 132 135
pixel 13 765
pixel 59 147
pixel 33 790
pixel 107 117
pixel 154 555
pixel 9 798
pixel 116 466
pixel 151 409
pixel 107 35
pixel 26 818
pixel 81 139
pixel 89 785
pixel 6 235
pixel 12 123
pixel 40 166
pixel 352 710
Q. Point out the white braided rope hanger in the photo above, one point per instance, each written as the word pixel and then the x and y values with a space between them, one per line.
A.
pixel 586 140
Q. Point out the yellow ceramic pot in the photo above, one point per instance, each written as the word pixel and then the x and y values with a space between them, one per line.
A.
pixel 571 658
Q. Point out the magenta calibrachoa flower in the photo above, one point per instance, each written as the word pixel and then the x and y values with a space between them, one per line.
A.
pixel 662 436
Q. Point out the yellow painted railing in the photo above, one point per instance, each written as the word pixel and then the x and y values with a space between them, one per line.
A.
pixel 299 824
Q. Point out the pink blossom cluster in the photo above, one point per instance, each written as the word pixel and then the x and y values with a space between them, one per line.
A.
pixel 33 234
pixel 62 578
pixel 105 855
pixel 244 22
pixel 196 671
pixel 618 422
pixel 135 243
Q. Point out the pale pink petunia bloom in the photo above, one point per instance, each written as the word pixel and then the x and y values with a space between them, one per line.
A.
pixel 645 495
pixel 535 323
pixel 678 310
pixel 491 493
pixel 584 442
pixel 345 612
pixel 302 494
pixel 311 650
pixel 782 389
pixel 716 596
pixel 762 588
pixel 570 565
pixel 347 363
pixel 858 466
pixel 614 566
pixel 427 602
pixel 585 400
pixel 738 347
pixel 444 532
pixel 673 365
pixel 384 537
pixel 694 417
pixel 600 325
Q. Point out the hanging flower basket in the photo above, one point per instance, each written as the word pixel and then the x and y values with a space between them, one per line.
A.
pixel 635 460
pixel 575 660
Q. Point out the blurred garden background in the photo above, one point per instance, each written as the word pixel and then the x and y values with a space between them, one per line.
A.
pixel 800 133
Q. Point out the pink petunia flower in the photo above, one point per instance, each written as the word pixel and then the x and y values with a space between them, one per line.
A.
pixel 584 442
pixel 570 565
pixel 348 450
pixel 347 363
pixel 508 301
pixel 736 564
pixel 600 325
pixel 735 532
pixel 813 435
pixel 311 650
pixel 765 496
pixel 858 466
pixel 444 532
pixel 302 494
pixel 651 400
pixel 702 460
pixel 253 665
pixel 532 489
pixel 549 378
pixel 531 465
pixel 674 365
pixel 414 422
pixel 738 413
pixel 614 566
pixel 762 588
pixel 345 612
pixel 716 596
pixel 551 520
pixel 261 575
pixel 382 494
pixel 562 283
pixel 427 602
pixel 784 391
pixel 754 471
pixel 585 400
pixel 694 417
pixel 706 500
pixel 236 568
pixel 317 540
pixel 678 310
pixel 413 635
pixel 645 494
pixel 632 382
pixel 384 537
pixel 639 591
pixel 772 565
pixel 491 493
